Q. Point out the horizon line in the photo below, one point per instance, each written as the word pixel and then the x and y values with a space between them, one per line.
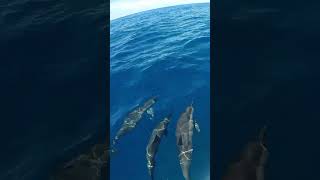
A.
pixel 155 9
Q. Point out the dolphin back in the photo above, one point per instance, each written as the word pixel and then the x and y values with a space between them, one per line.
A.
pixel 184 133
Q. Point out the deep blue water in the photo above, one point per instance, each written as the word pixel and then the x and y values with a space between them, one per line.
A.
pixel 266 69
pixel 163 52
pixel 52 83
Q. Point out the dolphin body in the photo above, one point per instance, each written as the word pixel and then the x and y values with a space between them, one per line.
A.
pixel 133 118
pixel 184 132
pixel 152 147
pixel 87 166
pixel 252 161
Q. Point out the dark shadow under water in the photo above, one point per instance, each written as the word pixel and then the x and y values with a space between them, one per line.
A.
pixel 52 83
pixel 266 61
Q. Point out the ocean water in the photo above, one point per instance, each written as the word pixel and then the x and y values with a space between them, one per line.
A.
pixel 53 78
pixel 164 52
pixel 266 58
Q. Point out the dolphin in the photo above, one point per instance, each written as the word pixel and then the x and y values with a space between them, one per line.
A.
pixel 184 132
pixel 152 147
pixel 252 161
pixel 133 118
pixel 91 165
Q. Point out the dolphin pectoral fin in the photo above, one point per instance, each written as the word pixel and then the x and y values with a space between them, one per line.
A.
pixel 113 150
pixel 196 125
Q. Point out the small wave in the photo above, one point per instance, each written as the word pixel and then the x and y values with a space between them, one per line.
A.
pixel 197 41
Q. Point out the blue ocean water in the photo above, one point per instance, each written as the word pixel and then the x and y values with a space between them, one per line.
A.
pixel 52 78
pixel 163 52
pixel 266 60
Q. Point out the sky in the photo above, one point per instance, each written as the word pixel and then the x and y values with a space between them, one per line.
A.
pixel 120 8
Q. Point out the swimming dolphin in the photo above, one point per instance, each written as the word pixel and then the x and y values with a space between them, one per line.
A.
pixel 184 132
pixel 252 161
pixel 133 118
pixel 87 166
pixel 152 147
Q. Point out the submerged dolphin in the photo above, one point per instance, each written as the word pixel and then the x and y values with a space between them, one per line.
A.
pixel 252 161
pixel 91 165
pixel 152 147
pixel 133 118
pixel 184 134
